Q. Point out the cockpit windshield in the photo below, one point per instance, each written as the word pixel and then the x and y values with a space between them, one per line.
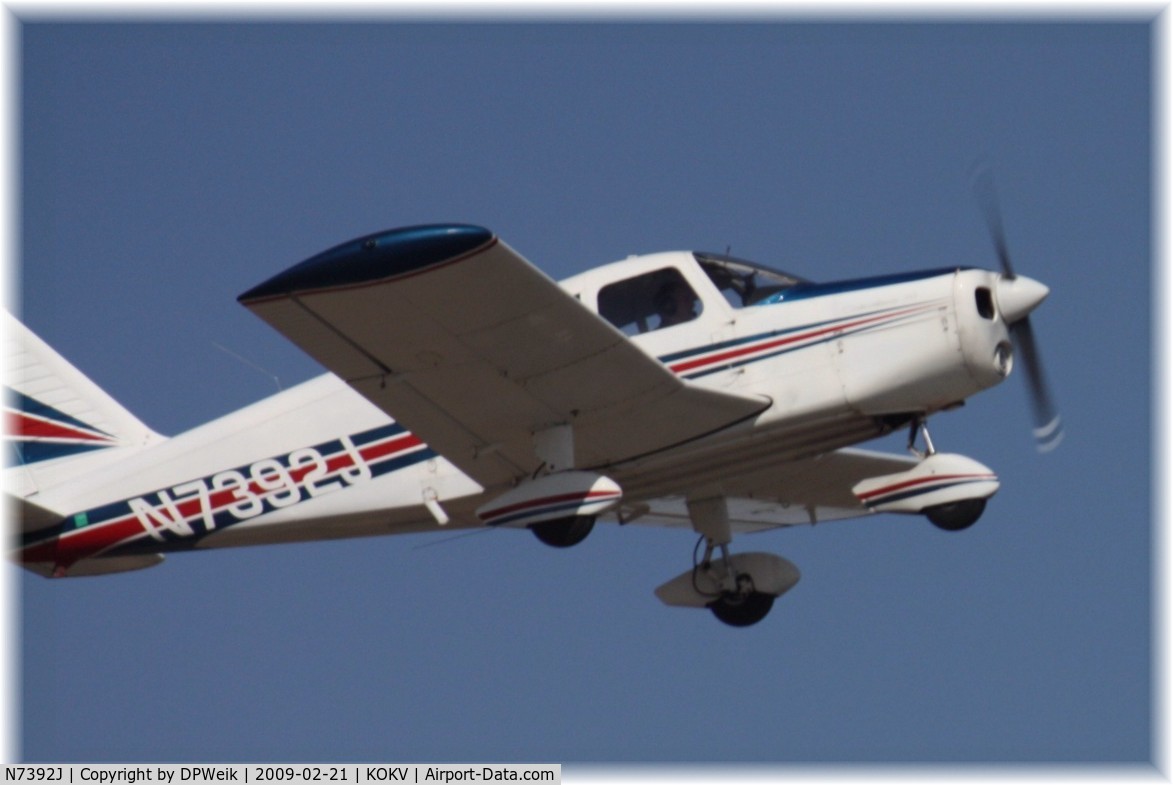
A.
pixel 744 283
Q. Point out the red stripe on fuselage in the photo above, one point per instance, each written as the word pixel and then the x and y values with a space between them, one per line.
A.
pixel 733 354
pixel 77 544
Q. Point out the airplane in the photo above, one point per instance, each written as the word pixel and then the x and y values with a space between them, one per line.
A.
pixel 467 389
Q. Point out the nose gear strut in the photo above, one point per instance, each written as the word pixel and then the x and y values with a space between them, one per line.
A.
pixel 920 426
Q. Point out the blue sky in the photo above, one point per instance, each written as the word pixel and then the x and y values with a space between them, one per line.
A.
pixel 168 167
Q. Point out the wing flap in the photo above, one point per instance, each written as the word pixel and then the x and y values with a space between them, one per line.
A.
pixel 475 350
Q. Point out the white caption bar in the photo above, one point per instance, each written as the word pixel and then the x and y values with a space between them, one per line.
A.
pixel 277 774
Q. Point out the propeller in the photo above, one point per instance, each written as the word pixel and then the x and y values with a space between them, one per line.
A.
pixel 1017 297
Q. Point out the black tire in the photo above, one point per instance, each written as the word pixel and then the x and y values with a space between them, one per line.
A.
pixel 956 516
pixel 744 611
pixel 564 532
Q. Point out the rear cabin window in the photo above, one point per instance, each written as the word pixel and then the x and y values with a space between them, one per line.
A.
pixel 648 302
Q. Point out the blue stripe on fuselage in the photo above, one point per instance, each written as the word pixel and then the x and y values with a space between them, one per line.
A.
pixel 806 291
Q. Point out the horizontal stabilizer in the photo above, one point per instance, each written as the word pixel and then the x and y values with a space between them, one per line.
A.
pixel 29 515
pixel 102 565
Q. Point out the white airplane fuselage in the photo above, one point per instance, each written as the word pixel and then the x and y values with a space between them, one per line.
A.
pixel 840 363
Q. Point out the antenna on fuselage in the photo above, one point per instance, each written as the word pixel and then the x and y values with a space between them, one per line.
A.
pixel 251 364
pixel 453 538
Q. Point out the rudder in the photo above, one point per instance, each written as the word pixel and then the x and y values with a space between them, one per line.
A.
pixel 58 423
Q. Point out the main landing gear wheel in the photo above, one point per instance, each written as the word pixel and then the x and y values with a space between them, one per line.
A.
pixel 739 590
pixel 742 610
pixel 564 532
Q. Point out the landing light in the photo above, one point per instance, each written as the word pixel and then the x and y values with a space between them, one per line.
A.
pixel 1004 358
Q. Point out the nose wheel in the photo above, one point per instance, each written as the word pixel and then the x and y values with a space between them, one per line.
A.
pixel 952 516
pixel 950 490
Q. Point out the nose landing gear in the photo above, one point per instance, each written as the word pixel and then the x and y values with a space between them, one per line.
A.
pixel 950 490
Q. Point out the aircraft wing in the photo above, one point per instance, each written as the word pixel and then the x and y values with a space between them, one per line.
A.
pixel 812 490
pixel 475 350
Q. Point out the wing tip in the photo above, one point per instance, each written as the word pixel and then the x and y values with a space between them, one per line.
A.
pixel 374 258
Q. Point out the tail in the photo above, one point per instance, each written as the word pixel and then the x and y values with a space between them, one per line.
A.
pixel 58 426
pixel 54 415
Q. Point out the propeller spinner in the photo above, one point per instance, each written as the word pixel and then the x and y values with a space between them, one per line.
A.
pixel 1017 297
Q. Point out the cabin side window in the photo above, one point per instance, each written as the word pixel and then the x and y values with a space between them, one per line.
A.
pixel 649 302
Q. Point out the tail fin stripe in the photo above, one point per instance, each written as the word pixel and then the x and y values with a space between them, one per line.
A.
pixel 32 418
pixel 36 451
pixel 22 426
pixel 39 432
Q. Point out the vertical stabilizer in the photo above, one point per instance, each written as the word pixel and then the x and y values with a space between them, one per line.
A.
pixel 58 424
